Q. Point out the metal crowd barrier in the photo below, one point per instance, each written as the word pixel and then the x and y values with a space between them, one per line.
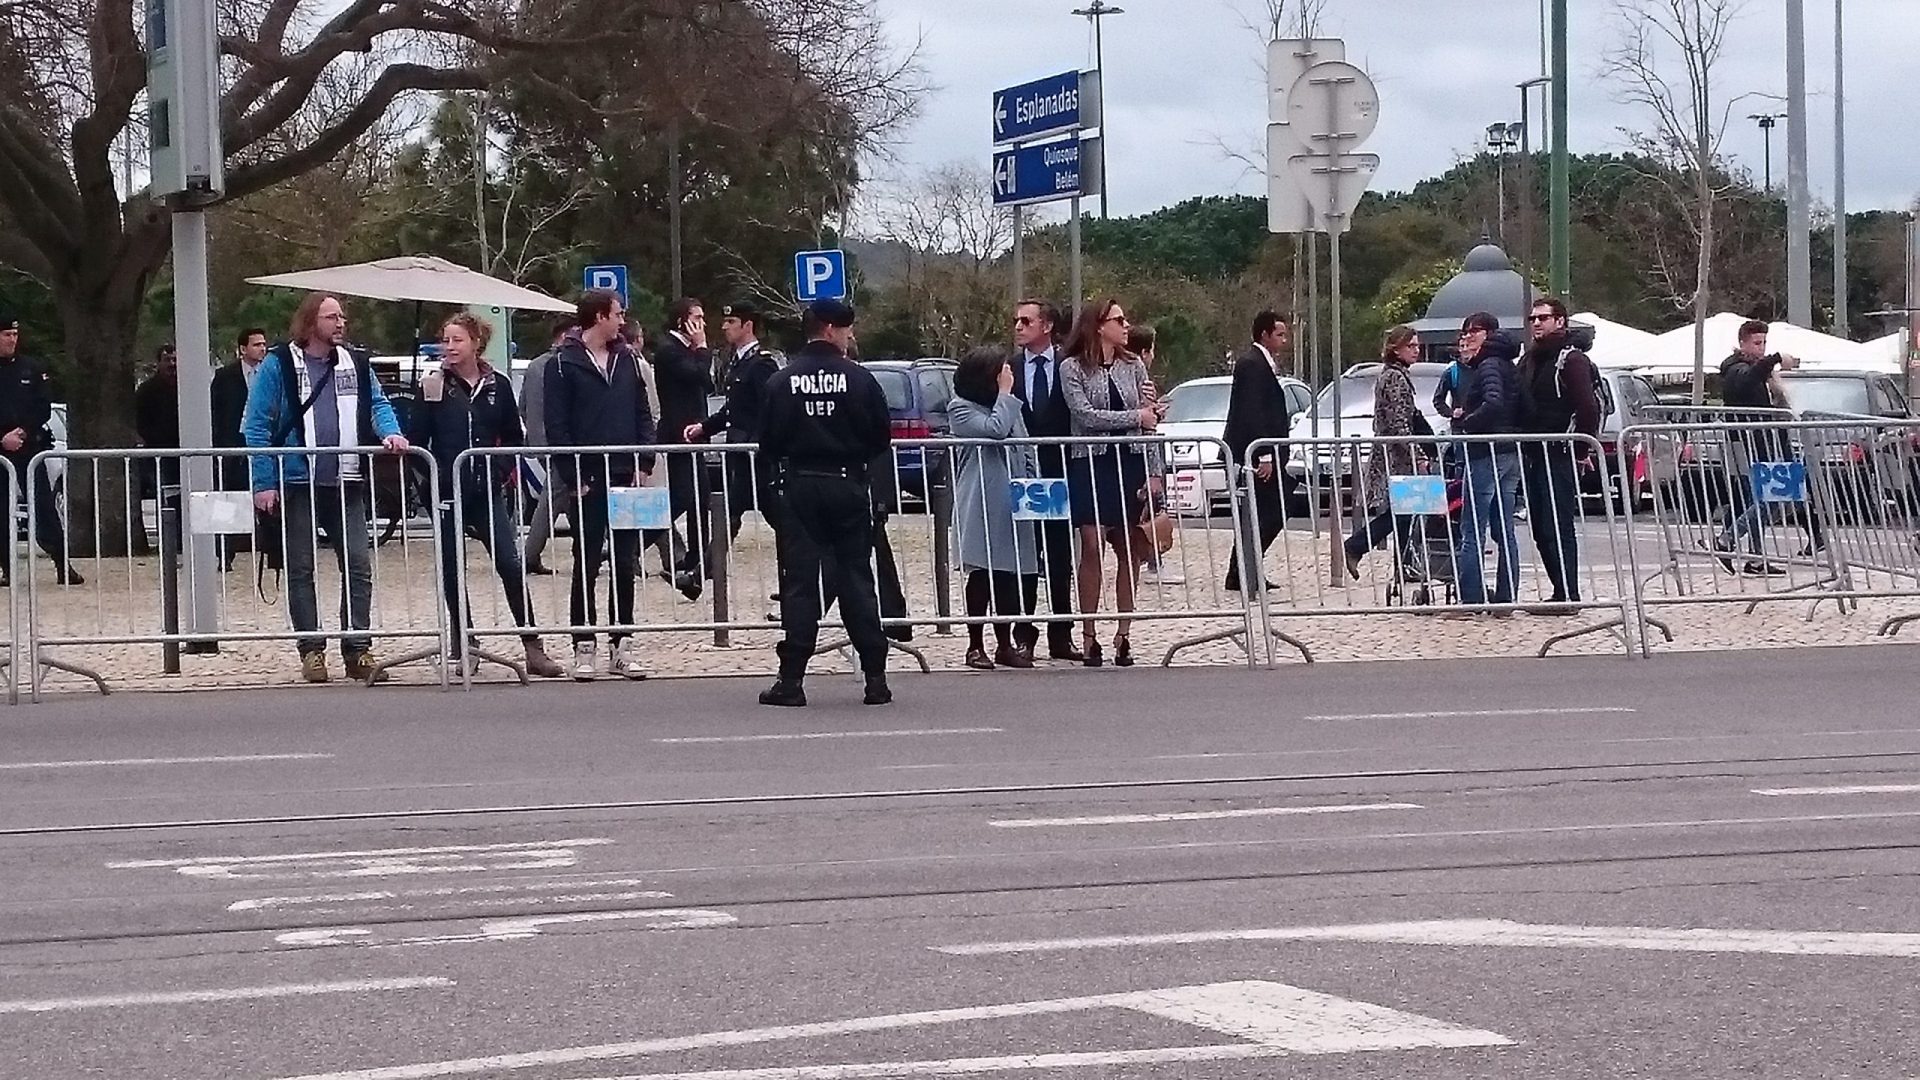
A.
pixel 706 540
pixel 165 524
pixel 1394 539
pixel 1776 509
pixel 15 625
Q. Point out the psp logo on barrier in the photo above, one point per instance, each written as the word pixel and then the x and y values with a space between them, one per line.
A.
pixel 1039 500
pixel 1779 482
pixel 639 508
pixel 1421 496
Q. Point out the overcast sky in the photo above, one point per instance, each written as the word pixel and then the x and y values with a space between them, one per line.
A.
pixel 1186 75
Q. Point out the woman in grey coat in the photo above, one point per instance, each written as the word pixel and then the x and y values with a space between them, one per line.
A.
pixel 999 555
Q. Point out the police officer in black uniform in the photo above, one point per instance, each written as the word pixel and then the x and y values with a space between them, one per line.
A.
pixel 824 422
pixel 26 406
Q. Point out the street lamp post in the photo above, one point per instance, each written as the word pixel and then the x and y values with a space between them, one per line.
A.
pixel 1502 139
pixel 1525 261
pixel 1840 318
pixel 1799 197
pixel 1093 13
pixel 1767 122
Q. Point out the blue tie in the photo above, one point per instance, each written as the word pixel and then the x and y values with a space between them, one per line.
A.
pixel 1040 387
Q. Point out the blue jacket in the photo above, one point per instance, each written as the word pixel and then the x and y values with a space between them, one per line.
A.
pixel 275 396
pixel 1490 390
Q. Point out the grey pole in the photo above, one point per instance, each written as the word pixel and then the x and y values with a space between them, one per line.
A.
pixel 193 345
pixel 674 198
pixel 1841 321
pixel 1019 253
pixel 1799 198
pixel 1094 13
pixel 1074 299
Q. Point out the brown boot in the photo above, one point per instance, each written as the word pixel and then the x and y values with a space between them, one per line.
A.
pixel 539 664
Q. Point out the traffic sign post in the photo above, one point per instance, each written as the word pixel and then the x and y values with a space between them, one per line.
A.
pixel 1026 175
pixel 1043 108
pixel 613 279
pixel 820 275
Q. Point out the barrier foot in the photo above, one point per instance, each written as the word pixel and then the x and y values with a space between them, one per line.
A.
pixel 1617 626
pixel 1896 624
pixel 414 657
pixel 1239 639
pixel 892 646
pixel 47 664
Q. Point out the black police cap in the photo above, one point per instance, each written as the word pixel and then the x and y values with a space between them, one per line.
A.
pixel 8 322
pixel 745 311
pixel 831 313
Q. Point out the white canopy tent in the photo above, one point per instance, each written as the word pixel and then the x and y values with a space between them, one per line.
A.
pixel 1616 345
pixel 1673 350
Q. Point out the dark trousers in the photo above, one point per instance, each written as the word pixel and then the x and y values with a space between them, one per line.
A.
pixel 47 528
pixel 893 596
pixel 826 530
pixel 684 489
pixel 1370 533
pixel 1268 516
pixel 1007 592
pixel 490 518
pixel 1058 547
pixel 1552 487
pixel 589 555
pixel 339 512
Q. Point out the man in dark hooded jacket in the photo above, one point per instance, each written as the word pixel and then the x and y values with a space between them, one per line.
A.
pixel 1749 379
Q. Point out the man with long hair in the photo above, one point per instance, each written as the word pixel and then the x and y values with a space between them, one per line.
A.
pixel 314 392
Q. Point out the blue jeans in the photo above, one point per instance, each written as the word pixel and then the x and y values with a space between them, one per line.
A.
pixel 1492 493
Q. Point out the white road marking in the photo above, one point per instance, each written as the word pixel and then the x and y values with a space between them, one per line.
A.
pixel 1849 789
pixel 1501 933
pixel 242 993
pixel 387 862
pixel 265 902
pixel 1471 713
pixel 1275 1019
pixel 804 736
pixel 513 929
pixel 1198 815
pixel 102 763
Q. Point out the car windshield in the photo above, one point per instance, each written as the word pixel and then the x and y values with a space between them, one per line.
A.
pixel 1829 395
pixel 1198 403
pixel 1356 394
pixel 898 385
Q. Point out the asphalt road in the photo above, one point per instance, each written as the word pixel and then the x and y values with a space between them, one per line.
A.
pixel 1700 865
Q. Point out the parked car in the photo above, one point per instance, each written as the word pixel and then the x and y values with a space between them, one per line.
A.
pixel 918 393
pixel 1197 411
pixel 1624 399
pixel 1356 424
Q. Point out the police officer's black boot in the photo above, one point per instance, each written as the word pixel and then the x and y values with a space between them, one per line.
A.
pixel 878 692
pixel 784 694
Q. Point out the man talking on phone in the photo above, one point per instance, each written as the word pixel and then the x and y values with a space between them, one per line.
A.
pixel 683 372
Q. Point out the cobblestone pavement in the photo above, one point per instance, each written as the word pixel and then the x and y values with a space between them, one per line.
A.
pixel 122 599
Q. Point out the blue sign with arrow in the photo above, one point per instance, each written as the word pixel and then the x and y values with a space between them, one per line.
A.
pixel 1035 110
pixel 1044 173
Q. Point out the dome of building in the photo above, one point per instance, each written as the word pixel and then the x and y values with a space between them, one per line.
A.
pixel 1488 283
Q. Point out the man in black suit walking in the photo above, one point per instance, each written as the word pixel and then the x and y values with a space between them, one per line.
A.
pixel 1256 410
pixel 1037 383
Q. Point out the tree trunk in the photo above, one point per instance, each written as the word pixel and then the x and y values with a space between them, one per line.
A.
pixel 100 312
pixel 1703 292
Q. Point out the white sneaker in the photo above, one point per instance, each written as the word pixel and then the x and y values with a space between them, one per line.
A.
pixel 623 664
pixel 1166 575
pixel 583 662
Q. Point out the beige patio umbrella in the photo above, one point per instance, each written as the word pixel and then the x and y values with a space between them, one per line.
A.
pixel 420 278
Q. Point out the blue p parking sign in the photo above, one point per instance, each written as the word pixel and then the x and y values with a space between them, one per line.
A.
pixel 610 278
pixel 820 275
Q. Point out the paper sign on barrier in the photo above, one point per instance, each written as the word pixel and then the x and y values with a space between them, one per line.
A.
pixel 1779 481
pixel 1039 500
pixel 220 513
pixel 639 508
pixel 1189 492
pixel 1417 495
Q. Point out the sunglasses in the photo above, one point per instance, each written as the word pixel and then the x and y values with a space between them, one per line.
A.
pixel 1541 318
pixel 1023 320
pixel 1121 319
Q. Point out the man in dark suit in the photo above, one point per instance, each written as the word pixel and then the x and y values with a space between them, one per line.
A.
pixel 231 381
pixel 1037 384
pixel 1256 410
pixel 683 375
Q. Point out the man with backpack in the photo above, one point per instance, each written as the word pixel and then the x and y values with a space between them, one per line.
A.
pixel 314 392
pixel 1560 394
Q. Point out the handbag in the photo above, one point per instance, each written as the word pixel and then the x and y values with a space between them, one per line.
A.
pixel 1156 525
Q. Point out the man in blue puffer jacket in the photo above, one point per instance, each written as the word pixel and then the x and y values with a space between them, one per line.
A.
pixel 1489 405
pixel 314 392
